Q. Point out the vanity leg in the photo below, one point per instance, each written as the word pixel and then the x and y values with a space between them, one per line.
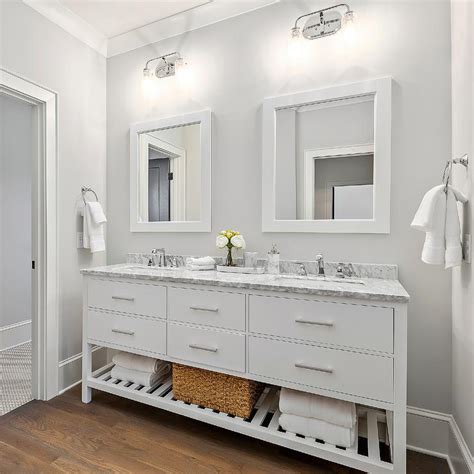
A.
pixel 400 405
pixel 86 349
pixel 86 371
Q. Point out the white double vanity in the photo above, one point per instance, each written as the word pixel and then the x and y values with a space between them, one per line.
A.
pixel 325 169
pixel 342 340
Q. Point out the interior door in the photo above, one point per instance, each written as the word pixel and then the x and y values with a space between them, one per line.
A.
pixel 159 178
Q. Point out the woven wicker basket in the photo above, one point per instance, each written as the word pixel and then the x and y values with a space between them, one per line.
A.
pixel 221 392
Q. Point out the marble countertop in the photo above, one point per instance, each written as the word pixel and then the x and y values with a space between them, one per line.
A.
pixel 376 289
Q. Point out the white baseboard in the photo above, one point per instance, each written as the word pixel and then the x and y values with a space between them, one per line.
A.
pixel 15 334
pixel 70 369
pixel 437 434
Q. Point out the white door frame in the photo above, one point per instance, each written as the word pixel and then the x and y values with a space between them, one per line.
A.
pixel 44 252
pixel 322 154
pixel 177 167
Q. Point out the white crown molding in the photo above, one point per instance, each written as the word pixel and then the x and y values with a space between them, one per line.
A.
pixel 198 17
pixel 204 15
pixel 73 24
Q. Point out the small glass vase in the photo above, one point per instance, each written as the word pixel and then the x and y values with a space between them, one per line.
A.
pixel 229 262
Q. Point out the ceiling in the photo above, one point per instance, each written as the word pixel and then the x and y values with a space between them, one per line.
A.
pixel 114 27
pixel 113 18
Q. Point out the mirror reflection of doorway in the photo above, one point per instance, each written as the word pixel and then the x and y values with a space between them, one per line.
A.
pixel 159 179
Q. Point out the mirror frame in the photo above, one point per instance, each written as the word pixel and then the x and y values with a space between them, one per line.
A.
pixel 204 118
pixel 381 89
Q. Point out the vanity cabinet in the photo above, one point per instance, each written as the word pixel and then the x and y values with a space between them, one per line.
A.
pixel 342 347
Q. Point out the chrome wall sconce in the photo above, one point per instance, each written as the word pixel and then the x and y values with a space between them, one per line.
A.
pixel 168 65
pixel 322 23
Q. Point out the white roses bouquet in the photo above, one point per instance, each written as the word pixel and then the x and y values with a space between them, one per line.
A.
pixel 230 239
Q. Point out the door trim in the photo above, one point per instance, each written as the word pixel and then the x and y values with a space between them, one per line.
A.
pixel 45 334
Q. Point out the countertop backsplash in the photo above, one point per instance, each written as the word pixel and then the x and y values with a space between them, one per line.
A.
pixel 360 270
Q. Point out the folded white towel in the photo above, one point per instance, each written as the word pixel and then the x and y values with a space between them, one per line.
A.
pixel 138 362
pixel 139 377
pixel 93 230
pixel 198 268
pixel 313 428
pixel 201 261
pixel 438 217
pixel 330 410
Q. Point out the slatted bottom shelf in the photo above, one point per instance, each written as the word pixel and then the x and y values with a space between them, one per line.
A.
pixel 373 424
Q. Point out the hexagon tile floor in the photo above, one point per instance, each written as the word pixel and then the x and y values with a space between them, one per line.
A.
pixel 15 377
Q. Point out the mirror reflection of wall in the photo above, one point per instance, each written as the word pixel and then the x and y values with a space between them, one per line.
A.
pixel 170 174
pixel 324 166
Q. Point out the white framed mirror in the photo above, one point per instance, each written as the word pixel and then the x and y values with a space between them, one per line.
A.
pixel 326 160
pixel 170 174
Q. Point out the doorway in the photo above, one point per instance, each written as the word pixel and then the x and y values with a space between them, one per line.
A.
pixel 28 243
pixel 16 234
pixel 159 178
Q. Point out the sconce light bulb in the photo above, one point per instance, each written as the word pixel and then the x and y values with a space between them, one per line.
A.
pixel 149 86
pixel 348 17
pixel 349 29
pixel 296 44
pixel 183 74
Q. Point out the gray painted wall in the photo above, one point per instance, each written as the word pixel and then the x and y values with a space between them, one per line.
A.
pixel 37 49
pixel 462 24
pixel 237 63
pixel 16 163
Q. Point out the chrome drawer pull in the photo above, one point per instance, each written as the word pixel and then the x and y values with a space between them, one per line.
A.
pixel 124 298
pixel 124 331
pixel 203 348
pixel 301 365
pixel 317 323
pixel 203 308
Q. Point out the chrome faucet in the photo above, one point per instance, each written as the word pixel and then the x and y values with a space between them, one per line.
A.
pixel 320 261
pixel 162 258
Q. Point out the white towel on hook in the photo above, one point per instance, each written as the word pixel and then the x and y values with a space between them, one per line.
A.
pixel 438 217
pixel 93 230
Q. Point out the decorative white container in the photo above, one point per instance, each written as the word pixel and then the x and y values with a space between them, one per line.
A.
pixel 273 266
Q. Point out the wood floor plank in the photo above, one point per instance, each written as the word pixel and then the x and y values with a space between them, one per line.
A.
pixel 16 460
pixel 115 435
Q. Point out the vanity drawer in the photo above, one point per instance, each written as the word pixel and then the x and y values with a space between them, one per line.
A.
pixel 147 300
pixel 363 375
pixel 207 346
pixel 128 331
pixel 365 327
pixel 209 308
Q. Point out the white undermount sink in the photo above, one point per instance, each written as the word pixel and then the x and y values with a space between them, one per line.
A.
pixel 327 279
pixel 147 268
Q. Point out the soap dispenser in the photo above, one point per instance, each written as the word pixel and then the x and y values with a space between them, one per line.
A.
pixel 273 266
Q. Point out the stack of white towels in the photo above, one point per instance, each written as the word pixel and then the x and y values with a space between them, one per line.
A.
pixel 200 263
pixel 327 419
pixel 139 369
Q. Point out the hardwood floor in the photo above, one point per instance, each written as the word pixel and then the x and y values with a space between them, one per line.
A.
pixel 113 434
